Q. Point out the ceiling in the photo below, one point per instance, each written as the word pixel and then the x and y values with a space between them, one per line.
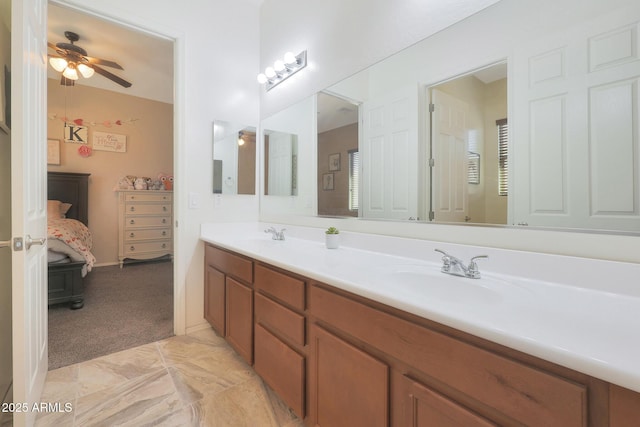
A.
pixel 147 60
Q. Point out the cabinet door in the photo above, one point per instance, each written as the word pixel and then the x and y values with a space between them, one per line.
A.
pixel 240 318
pixel 349 387
pixel 424 407
pixel 214 297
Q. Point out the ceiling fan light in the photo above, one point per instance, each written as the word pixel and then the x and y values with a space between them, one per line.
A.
pixel 70 73
pixel 58 64
pixel 85 70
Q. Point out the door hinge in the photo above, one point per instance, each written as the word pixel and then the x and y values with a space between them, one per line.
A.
pixel 432 107
pixel 432 215
pixel 432 162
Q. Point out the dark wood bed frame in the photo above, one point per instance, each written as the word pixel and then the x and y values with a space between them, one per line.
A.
pixel 65 280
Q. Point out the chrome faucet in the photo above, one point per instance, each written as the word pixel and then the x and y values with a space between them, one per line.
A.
pixel 455 266
pixel 275 234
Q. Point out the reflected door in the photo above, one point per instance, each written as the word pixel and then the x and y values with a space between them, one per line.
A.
pixel 449 145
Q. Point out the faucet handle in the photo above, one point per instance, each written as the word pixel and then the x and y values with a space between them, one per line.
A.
pixel 472 270
pixel 446 261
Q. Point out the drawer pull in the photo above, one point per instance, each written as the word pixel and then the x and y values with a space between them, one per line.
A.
pixel 132 222
pixel 164 245
pixel 132 208
pixel 164 208
pixel 132 248
pixel 164 233
pixel 131 235
pixel 164 220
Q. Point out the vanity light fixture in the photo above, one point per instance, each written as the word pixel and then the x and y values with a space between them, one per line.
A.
pixel 283 69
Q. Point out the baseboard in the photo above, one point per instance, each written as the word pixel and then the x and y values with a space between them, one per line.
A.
pixel 198 327
pixel 106 264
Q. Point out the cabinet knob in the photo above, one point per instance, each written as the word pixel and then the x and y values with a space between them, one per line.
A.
pixel 164 208
pixel 164 220
pixel 131 235
pixel 164 245
pixel 164 233
pixel 132 222
pixel 132 248
pixel 133 208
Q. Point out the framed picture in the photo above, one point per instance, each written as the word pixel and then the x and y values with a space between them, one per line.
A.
pixel 334 162
pixel 5 100
pixel 327 181
pixel 104 141
pixel 53 152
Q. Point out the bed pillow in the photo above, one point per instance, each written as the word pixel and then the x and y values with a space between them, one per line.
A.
pixel 56 209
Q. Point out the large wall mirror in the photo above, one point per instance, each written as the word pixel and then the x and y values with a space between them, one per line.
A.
pixel 522 132
pixel 234 158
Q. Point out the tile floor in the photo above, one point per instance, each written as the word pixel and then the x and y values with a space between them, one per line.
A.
pixel 193 380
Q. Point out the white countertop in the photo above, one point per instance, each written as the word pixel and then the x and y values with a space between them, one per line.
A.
pixel 580 313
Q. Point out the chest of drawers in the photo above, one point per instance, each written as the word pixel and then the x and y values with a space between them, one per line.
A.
pixel 145 221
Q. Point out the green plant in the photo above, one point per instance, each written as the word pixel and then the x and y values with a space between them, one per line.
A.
pixel 332 230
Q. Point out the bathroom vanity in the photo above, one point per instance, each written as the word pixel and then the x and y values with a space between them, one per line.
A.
pixel 359 338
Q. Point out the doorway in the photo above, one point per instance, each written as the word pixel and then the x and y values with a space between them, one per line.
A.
pixel 141 118
pixel 464 145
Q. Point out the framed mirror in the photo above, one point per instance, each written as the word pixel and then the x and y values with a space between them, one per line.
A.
pixel 234 158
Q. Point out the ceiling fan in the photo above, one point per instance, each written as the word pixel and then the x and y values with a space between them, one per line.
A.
pixel 72 60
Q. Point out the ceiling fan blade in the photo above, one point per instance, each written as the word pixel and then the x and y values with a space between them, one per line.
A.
pixel 104 62
pixel 66 82
pixel 110 76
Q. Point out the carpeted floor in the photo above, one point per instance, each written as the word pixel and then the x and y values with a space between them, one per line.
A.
pixel 123 308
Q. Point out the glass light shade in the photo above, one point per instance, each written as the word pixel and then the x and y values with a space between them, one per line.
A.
pixel 279 66
pixel 70 73
pixel 290 58
pixel 240 141
pixel 58 64
pixel 85 70
pixel 270 72
pixel 262 79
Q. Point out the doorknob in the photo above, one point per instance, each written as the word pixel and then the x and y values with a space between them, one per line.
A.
pixel 28 241
pixel 5 244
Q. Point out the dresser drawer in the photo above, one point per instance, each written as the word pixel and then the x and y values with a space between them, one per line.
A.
pixel 526 394
pixel 280 319
pixel 139 248
pixel 150 234
pixel 147 209
pixel 150 221
pixel 283 287
pixel 148 197
pixel 231 264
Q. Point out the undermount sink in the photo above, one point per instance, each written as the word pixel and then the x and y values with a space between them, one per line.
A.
pixel 430 281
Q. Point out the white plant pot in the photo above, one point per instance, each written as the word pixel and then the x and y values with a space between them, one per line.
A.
pixel 332 241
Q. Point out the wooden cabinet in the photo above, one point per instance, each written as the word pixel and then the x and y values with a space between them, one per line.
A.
pixel 280 334
pixel 348 386
pixel 228 298
pixel 338 359
pixel 145 223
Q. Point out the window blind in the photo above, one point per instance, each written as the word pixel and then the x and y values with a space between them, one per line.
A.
pixel 503 157
pixel 354 179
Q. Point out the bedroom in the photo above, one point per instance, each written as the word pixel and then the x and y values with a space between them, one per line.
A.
pixel 140 117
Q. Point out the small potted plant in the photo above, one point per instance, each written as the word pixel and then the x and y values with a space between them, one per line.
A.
pixel 332 240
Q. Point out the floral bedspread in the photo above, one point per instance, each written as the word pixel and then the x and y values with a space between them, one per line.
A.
pixel 73 238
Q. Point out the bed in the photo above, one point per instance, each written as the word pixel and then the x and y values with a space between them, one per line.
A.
pixel 69 240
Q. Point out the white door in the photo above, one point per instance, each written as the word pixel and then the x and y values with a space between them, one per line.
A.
pixel 575 142
pixel 450 145
pixel 28 202
pixel 280 164
pixel 389 156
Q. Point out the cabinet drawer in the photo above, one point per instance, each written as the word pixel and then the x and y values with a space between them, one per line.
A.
pixel 150 221
pixel 147 209
pixel 150 234
pixel 148 197
pixel 138 248
pixel 281 367
pixel 231 264
pixel 283 287
pixel 279 319
pixel 525 394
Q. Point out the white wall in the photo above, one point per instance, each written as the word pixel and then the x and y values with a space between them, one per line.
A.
pixel 341 40
pixel 216 65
